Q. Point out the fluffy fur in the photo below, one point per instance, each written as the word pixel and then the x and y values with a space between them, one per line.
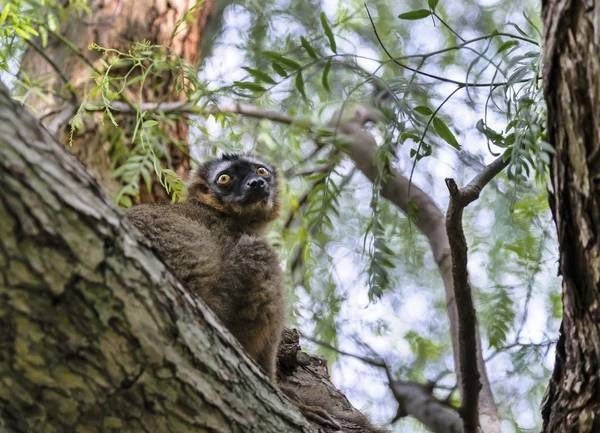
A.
pixel 213 244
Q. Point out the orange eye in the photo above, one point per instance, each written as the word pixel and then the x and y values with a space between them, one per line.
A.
pixel 224 179
pixel 261 171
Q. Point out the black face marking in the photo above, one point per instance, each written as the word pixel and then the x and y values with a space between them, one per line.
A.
pixel 249 179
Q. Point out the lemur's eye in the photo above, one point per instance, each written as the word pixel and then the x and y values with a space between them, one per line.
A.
pixel 261 171
pixel 224 179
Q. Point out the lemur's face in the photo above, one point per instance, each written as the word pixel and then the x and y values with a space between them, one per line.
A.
pixel 243 185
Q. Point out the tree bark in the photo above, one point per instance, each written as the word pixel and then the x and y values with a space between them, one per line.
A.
pixel 96 334
pixel 117 24
pixel 572 91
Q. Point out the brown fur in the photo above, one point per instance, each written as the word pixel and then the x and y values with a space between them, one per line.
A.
pixel 218 253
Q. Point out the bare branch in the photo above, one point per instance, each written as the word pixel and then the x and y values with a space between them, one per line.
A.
pixel 375 362
pixel 471 192
pixel 414 399
pixel 470 383
pixel 468 346
pixel 190 108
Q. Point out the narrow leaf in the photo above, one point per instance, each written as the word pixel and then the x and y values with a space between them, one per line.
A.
pixel 249 86
pixel 507 45
pixel 409 135
pixel 259 75
pixel 279 70
pixel 325 77
pixel 52 22
pixel 149 123
pixel 415 15
pixel 328 32
pixel 283 60
pixel 5 13
pixel 22 33
pixel 311 52
pixel 425 111
pixel 300 85
pixel 432 4
pixel 443 131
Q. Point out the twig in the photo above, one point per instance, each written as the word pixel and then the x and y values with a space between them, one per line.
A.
pixel 59 71
pixel 413 398
pixel 371 361
pixel 467 321
pixel 425 74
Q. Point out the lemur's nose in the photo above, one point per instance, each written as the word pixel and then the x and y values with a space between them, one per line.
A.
pixel 256 183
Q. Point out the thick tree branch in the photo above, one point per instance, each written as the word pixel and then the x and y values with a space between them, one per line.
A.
pixel 470 383
pixel 96 333
pixel 470 377
pixel 416 400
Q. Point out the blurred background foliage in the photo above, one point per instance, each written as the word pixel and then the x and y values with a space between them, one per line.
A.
pixel 456 83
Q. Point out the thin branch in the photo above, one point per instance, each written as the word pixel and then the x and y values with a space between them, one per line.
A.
pixel 190 108
pixel 59 71
pixel 471 192
pixel 414 399
pixel 371 361
pixel 468 349
pixel 425 74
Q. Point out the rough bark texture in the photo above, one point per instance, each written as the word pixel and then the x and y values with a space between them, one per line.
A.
pixel 572 91
pixel 117 24
pixel 96 333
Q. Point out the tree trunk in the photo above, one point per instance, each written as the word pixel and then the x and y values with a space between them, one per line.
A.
pixel 96 334
pixel 117 24
pixel 572 91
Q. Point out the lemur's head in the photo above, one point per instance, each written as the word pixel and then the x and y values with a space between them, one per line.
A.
pixel 243 186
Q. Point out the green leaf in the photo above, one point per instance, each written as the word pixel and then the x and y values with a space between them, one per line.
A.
pixel 409 135
pixel 44 36
pixel 283 60
pixel 300 85
pixel 325 77
pixel 21 33
pixel 432 4
pixel 5 13
pixel 425 111
pixel 507 45
pixel 415 15
pixel 149 123
pixel 279 70
pixel 259 75
pixel 443 131
pixel 30 29
pixel 519 29
pixel 311 52
pixel 328 32
pixel 52 22
pixel 249 86
pixel 518 75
